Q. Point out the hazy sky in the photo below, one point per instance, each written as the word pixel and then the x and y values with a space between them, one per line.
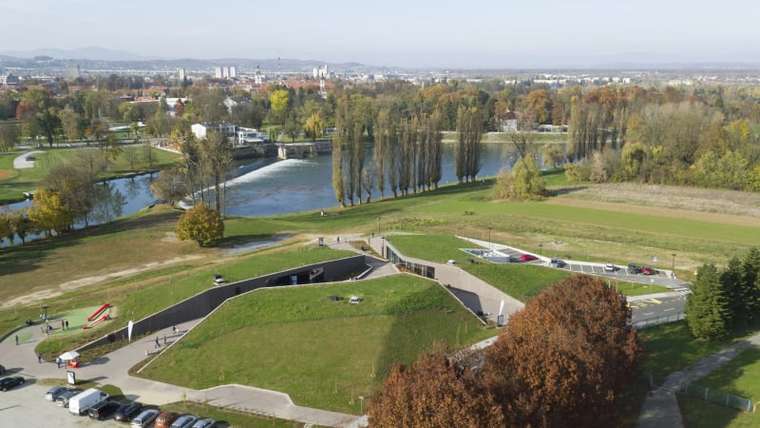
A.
pixel 464 33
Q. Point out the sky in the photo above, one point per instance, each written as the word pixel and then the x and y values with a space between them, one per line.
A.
pixel 462 34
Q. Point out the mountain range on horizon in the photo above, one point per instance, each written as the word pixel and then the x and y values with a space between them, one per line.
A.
pixel 632 61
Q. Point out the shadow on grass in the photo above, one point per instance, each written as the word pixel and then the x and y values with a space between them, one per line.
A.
pixel 29 257
pixel 566 190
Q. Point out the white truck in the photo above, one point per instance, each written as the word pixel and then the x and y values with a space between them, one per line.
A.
pixel 80 403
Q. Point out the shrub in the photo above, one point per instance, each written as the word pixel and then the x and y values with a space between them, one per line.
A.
pixel 579 172
pixel 200 224
pixel 523 182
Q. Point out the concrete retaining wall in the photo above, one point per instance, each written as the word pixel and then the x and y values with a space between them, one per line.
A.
pixel 203 303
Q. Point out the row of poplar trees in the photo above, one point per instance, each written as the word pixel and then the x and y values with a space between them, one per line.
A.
pixel 406 155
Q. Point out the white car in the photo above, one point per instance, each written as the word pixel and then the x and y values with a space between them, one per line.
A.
pixel 355 300
pixel 609 267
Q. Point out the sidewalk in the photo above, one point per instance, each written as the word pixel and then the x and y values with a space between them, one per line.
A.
pixel 660 410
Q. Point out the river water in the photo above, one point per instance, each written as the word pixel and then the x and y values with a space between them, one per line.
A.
pixel 261 187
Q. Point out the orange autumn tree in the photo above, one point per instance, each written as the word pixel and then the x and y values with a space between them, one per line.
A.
pixel 433 392
pixel 565 359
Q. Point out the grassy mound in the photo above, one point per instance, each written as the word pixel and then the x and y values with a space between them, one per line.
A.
pixel 323 353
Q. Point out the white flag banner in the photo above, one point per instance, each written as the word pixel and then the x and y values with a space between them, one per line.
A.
pixel 501 308
pixel 129 330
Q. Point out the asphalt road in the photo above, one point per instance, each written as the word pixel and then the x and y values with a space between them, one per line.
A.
pixel 652 308
pixel 26 407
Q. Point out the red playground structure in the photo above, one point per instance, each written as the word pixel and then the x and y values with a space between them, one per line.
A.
pixel 103 313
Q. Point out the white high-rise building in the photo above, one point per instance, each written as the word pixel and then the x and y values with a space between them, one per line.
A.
pixel 233 72
pixel 218 73
pixel 181 74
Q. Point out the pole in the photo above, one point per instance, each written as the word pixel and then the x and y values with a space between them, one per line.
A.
pixel 673 267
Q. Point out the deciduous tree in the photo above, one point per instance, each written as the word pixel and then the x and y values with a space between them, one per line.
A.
pixel 200 224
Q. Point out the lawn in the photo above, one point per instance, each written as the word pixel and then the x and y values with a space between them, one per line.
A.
pixel 740 376
pixel 324 353
pixel 229 417
pixel 157 295
pixel 432 247
pixel 14 182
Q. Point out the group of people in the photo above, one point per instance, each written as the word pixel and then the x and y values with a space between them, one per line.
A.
pixel 158 343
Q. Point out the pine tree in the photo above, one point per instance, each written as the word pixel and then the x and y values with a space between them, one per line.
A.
pixel 707 310
pixel 751 284
pixel 732 283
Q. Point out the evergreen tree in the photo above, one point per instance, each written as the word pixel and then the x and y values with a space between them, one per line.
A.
pixel 751 284
pixel 732 283
pixel 707 311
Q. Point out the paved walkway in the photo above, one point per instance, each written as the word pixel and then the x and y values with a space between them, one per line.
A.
pixel 473 292
pixel 660 410
pixel 23 161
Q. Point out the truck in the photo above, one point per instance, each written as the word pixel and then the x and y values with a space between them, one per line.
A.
pixel 80 403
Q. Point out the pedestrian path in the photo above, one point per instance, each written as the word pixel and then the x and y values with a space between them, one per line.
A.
pixel 660 409
pixel 23 161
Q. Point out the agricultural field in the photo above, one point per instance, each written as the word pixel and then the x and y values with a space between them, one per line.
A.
pixel 324 353
pixel 13 182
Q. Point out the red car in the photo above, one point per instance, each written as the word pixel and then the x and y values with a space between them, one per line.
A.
pixel 646 270
pixel 526 258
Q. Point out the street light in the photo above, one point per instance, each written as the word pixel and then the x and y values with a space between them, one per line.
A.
pixel 673 267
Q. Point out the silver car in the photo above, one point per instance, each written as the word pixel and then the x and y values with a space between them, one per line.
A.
pixel 205 423
pixel 184 421
pixel 145 418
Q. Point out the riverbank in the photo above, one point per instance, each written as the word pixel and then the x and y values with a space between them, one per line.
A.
pixel 450 137
pixel 129 163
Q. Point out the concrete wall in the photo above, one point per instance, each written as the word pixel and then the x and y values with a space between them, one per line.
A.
pixel 203 303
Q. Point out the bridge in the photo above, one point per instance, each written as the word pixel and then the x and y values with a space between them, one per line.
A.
pixel 303 150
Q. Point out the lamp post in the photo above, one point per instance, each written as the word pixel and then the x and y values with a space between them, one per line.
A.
pixel 490 243
pixel 673 266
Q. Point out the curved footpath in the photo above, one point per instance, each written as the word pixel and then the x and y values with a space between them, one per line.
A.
pixel 661 410
pixel 23 161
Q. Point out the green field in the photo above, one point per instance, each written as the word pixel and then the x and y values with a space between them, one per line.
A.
pixel 521 281
pixel 151 298
pixel 740 376
pixel 325 354
pixel 14 182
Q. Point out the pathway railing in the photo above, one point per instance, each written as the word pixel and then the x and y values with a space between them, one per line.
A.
pixel 718 397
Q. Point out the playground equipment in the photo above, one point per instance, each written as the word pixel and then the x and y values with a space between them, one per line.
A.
pixel 101 314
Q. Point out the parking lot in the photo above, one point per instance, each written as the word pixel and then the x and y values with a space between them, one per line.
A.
pixel 26 406
pixel 621 274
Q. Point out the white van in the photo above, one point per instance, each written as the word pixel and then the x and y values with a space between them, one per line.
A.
pixel 80 403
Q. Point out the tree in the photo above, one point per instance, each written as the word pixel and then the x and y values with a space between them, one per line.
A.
pixel 148 156
pixel 71 122
pixel 292 127
pixel 200 224
pixel 9 137
pixel 566 358
pixel 6 228
pixel 522 183
pixel 433 392
pixel 48 212
pixel 21 225
pixel 314 126
pixel 170 186
pixel 278 101
pixel 158 124
pixel 469 129
pixel 633 157
pixel 707 310
pixel 216 157
pixel 97 130
pixel 38 114
pixel 553 155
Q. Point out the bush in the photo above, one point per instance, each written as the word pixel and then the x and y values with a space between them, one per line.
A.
pixel 579 172
pixel 200 224
pixel 523 182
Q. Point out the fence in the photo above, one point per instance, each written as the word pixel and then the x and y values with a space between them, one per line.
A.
pixel 651 322
pixel 718 397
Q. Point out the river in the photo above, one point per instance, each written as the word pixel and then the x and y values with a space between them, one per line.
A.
pixel 261 187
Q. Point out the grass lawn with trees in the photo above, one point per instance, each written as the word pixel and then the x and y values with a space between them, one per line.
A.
pixel 13 182
pixel 740 376
pixel 157 295
pixel 324 353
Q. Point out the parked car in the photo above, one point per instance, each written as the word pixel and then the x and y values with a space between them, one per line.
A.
pixel 218 279
pixel 145 418
pixel 2 370
pixel 634 269
pixel 165 420
pixel 55 392
pixel 8 383
pixel 204 423
pixel 557 263
pixel 526 258
pixel 184 421
pixel 646 270
pixel 63 399
pixel 609 267
pixel 103 410
pixel 82 402
pixel 127 411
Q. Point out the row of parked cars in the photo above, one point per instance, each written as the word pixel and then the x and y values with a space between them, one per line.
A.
pixel 632 269
pixel 98 405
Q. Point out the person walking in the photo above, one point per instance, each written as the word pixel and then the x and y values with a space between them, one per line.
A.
pixel 58 362
pixel 39 358
pixel 158 345
pixel 17 340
